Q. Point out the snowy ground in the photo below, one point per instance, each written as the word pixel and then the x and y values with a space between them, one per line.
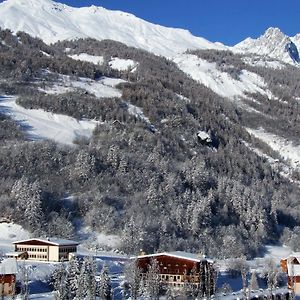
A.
pixel 288 150
pixel 96 60
pixel 103 88
pixel 122 64
pixel 137 111
pixel 221 82
pixel 261 61
pixel 40 124
pixel 39 272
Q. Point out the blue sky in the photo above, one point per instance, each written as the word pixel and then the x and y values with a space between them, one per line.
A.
pixel 227 21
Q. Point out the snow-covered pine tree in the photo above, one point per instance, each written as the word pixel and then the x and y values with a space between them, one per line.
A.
pixel 253 284
pixel 152 281
pixel 33 211
pixel 133 278
pixel 59 278
pixel 24 279
pixel 104 285
pixel 89 275
pixel 81 288
pixel 73 277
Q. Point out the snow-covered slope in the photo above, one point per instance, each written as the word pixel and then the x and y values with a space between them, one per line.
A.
pixel 273 43
pixel 10 232
pixel 52 21
pixel 287 149
pixel 102 88
pixel 221 82
pixel 45 125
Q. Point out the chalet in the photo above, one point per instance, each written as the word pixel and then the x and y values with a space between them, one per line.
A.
pixel 8 271
pixel 49 249
pixel 177 268
pixel 291 266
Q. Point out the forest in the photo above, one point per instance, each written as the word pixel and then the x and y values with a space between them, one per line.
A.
pixel 156 185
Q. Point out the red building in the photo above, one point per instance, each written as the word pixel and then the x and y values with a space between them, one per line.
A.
pixel 8 271
pixel 178 268
pixel 291 266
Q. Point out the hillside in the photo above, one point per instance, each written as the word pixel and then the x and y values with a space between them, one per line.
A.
pixel 198 153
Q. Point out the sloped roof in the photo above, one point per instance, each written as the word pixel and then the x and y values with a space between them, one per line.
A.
pixel 179 254
pixel 8 266
pixel 50 241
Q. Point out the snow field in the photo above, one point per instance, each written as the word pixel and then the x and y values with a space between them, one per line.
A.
pixel 122 64
pixel 287 149
pixel 96 60
pixel 220 82
pixel 53 21
pixel 10 232
pixel 102 88
pixel 40 124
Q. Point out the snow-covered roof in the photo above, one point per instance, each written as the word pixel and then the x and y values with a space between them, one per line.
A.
pixel 51 241
pixel 180 254
pixel 8 266
pixel 204 136
pixel 14 254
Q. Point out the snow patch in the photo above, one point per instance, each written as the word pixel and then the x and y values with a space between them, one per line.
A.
pixel 284 147
pixel 40 124
pixel 221 82
pixel 136 111
pixel 11 232
pixel 122 64
pixel 102 88
pixel 261 61
pixel 96 60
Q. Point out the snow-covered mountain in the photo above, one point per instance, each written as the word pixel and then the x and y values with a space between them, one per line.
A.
pixel 273 43
pixel 52 21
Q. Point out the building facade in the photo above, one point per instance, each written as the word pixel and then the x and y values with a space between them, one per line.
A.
pixel 291 266
pixel 8 271
pixel 179 268
pixel 49 249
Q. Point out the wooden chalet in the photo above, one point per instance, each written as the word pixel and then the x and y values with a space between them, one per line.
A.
pixel 178 268
pixel 49 249
pixel 8 271
pixel 291 266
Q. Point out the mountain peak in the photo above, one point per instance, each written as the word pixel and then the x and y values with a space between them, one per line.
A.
pixel 52 21
pixel 273 32
pixel 273 43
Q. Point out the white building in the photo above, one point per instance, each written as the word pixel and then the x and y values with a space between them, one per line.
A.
pixel 49 249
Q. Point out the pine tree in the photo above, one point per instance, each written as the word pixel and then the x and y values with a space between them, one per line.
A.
pixel 133 278
pixel 73 277
pixel 24 282
pixel 152 281
pixel 81 289
pixel 104 285
pixel 253 285
pixel 59 278
pixel 90 274
pixel 33 211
